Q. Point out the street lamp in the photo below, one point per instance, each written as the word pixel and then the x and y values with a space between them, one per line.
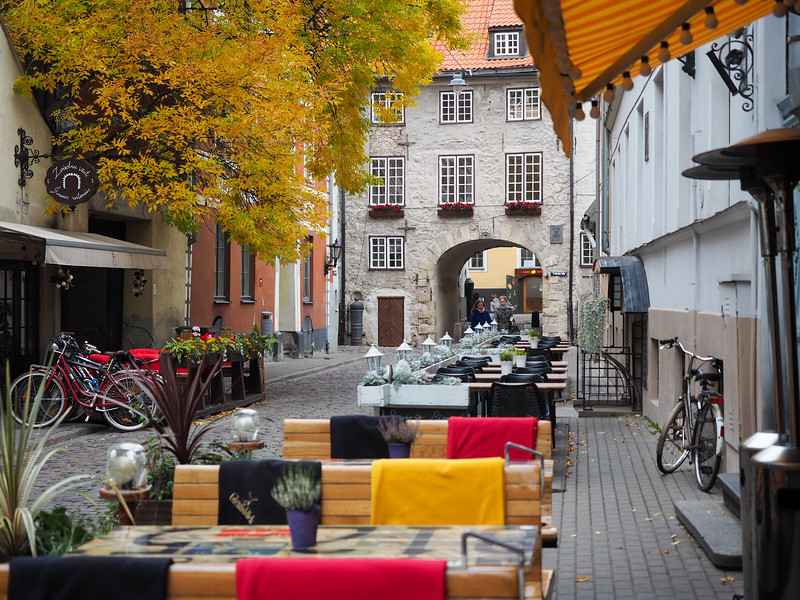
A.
pixel 336 253
pixel 404 352
pixel 374 357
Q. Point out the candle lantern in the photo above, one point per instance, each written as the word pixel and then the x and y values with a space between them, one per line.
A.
pixel 404 352
pixel 126 466
pixel 374 358
pixel 446 340
pixel 493 325
pixel 244 425
pixel 428 345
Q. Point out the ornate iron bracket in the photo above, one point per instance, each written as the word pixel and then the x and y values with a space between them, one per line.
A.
pixel 733 60
pixel 24 157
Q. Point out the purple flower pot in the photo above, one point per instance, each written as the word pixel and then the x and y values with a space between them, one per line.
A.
pixel 303 527
pixel 399 449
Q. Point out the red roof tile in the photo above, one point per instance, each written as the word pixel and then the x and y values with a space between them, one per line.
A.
pixel 478 17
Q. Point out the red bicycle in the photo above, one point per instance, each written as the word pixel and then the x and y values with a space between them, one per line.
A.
pixel 76 383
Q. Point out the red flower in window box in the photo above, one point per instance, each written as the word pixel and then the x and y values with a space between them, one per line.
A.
pixel 456 208
pixel 386 210
pixel 521 208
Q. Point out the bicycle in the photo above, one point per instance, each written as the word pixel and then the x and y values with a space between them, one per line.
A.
pixel 695 426
pixel 74 382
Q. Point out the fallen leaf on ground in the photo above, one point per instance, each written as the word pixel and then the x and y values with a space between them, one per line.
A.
pixel 582 579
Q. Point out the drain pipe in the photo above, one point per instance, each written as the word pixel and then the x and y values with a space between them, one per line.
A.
pixel 570 299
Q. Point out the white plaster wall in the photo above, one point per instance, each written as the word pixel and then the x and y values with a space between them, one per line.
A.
pixel 437 247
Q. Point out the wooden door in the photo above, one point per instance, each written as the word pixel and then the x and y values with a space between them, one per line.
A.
pixel 390 321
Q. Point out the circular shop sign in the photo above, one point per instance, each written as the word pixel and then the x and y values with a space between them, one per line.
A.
pixel 72 181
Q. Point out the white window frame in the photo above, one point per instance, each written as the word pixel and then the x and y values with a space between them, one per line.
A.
pixel 455 107
pixel 478 262
pixel 524 177
pixel 506 43
pixel 390 190
pixel 523 104
pixel 457 179
pixel 587 250
pixel 387 100
pixel 386 252
pixel 521 260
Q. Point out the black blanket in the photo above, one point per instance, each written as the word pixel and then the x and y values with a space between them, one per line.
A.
pixel 245 488
pixel 87 578
pixel 357 436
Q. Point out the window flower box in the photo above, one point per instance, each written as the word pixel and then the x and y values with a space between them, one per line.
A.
pixel 523 208
pixel 373 395
pixel 455 209
pixel 387 211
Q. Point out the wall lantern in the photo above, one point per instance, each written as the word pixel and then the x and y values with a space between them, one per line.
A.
pixel 457 83
pixel 374 357
pixel 335 255
pixel 404 352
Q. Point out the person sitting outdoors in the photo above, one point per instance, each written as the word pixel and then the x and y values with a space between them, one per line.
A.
pixel 503 314
pixel 480 315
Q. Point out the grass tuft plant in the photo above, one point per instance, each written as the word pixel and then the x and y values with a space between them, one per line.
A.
pixel 298 488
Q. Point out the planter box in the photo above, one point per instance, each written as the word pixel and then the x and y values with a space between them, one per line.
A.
pixel 444 212
pixel 373 395
pixel 444 396
pixel 386 214
pixel 523 212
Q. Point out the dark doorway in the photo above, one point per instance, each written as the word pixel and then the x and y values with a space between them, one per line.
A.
pixel 19 316
pixel 92 307
pixel 390 321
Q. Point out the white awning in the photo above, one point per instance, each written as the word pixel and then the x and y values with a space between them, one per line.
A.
pixel 81 249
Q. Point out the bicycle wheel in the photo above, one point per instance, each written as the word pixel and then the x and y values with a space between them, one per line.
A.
pixel 23 392
pixel 671 450
pixel 704 446
pixel 127 399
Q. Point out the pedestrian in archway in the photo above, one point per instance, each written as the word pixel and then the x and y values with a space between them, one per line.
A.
pixel 480 315
pixel 504 314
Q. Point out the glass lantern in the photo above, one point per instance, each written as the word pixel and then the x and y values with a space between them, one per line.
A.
pixel 404 352
pixel 446 340
pixel 479 328
pixel 126 466
pixel 493 325
pixel 469 331
pixel 374 357
pixel 428 345
pixel 244 425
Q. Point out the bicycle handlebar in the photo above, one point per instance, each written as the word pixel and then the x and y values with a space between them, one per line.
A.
pixel 674 341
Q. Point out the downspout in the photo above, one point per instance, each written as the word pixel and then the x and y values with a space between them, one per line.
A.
pixel 570 300
pixel 342 268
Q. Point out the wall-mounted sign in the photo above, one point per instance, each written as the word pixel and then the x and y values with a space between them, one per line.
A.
pixel 72 181
pixel 558 273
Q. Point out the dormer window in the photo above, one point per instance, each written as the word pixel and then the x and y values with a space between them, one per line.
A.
pixel 506 43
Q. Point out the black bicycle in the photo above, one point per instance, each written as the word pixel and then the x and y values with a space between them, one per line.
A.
pixel 695 426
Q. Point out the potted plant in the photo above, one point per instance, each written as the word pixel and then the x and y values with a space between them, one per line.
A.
pixel 22 458
pixel 520 358
pixel 533 336
pixel 507 360
pixel 299 491
pixel 399 433
pixel 373 389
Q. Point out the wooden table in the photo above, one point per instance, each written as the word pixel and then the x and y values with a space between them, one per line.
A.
pixel 204 557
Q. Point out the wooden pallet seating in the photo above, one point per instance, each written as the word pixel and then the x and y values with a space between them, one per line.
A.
pixel 310 439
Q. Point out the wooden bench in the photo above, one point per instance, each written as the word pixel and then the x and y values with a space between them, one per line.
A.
pixel 310 439
pixel 218 582
pixel 347 498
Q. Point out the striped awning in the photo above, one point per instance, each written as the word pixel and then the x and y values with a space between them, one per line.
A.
pixel 581 46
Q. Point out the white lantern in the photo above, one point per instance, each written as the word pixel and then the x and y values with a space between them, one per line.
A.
pixel 479 328
pixel 469 331
pixel 374 357
pixel 493 325
pixel 404 352
pixel 126 465
pixel 428 345
pixel 244 425
pixel 446 340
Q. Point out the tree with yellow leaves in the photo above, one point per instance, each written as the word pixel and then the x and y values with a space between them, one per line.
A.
pixel 191 107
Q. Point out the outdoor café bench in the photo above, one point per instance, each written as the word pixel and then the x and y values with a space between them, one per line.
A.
pixel 310 439
pixel 217 581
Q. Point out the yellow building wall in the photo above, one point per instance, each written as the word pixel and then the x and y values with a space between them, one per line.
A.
pixel 499 263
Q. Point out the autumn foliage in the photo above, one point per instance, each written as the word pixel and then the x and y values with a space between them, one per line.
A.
pixel 192 110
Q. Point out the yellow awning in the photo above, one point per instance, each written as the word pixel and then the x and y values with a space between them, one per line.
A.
pixel 594 42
